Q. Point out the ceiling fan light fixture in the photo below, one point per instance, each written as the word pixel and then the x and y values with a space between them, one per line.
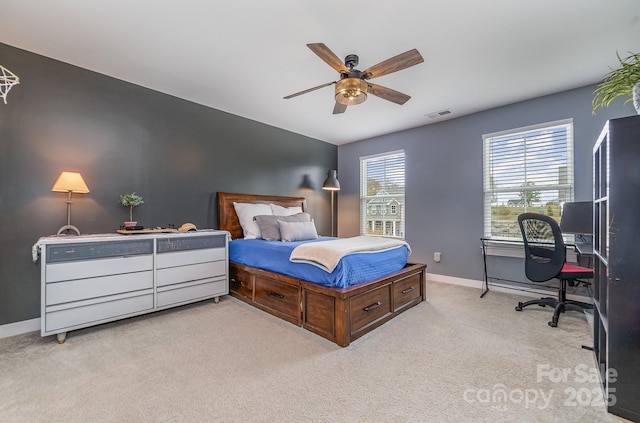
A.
pixel 351 91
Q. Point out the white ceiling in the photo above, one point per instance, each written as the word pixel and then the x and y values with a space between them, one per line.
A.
pixel 243 56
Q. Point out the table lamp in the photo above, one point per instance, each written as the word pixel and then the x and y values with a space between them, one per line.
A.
pixel 70 182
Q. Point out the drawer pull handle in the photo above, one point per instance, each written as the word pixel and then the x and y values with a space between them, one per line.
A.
pixel 275 294
pixel 234 280
pixel 372 306
pixel 406 291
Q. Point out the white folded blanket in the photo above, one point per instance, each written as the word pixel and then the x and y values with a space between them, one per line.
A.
pixel 327 254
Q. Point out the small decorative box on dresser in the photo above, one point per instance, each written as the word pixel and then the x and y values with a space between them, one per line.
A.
pixel 92 279
pixel 616 247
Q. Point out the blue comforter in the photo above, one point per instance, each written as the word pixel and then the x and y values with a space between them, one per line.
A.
pixel 352 269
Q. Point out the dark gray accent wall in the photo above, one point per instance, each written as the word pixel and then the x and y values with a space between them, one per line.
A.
pixel 444 194
pixel 124 138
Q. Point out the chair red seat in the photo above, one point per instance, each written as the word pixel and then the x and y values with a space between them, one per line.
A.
pixel 573 271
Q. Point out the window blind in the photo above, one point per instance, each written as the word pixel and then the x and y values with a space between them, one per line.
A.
pixel 526 169
pixel 382 194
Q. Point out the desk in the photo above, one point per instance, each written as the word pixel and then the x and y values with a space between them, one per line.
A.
pixel 485 241
pixel 583 250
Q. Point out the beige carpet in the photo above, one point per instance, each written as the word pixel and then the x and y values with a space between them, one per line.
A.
pixel 454 358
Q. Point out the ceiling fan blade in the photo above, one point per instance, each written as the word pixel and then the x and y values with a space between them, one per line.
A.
pixel 387 94
pixel 394 64
pixel 328 56
pixel 339 108
pixel 309 90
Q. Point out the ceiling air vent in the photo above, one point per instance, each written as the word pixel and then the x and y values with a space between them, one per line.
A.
pixel 439 114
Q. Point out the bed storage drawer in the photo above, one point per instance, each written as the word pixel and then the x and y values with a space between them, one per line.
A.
pixel 368 308
pixel 240 282
pixel 280 297
pixel 406 292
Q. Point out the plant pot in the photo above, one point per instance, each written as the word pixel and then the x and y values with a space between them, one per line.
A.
pixel 130 224
pixel 636 97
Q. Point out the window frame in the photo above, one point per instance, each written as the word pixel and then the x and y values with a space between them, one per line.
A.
pixel 529 134
pixel 396 221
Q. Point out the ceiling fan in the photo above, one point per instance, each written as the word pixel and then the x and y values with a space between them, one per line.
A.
pixel 353 86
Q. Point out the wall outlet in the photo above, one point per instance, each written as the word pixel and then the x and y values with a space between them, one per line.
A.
pixel 436 257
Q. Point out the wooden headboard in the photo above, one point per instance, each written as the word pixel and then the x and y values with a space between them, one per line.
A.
pixel 227 218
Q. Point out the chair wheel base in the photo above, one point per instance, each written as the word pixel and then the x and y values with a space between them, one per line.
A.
pixel 553 324
pixel 519 307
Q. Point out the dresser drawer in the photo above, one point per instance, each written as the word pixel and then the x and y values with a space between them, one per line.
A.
pixel 97 250
pixel 111 308
pixel 368 308
pixel 189 292
pixel 278 296
pixel 172 275
pixel 83 289
pixel 184 258
pixel 174 243
pixel 240 283
pixel 83 269
pixel 406 292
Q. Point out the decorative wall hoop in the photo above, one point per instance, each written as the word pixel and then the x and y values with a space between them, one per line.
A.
pixel 7 80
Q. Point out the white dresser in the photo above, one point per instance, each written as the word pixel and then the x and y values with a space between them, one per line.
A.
pixel 92 279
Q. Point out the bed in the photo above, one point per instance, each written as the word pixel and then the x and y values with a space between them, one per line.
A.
pixel 340 314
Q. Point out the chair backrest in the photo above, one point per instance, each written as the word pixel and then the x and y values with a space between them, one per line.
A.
pixel 543 246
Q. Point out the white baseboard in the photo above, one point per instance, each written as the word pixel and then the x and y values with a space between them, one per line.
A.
pixel 509 289
pixel 18 328
pixel 470 283
pixel 33 325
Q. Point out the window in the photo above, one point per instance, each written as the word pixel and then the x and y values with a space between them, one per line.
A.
pixel 526 170
pixel 382 183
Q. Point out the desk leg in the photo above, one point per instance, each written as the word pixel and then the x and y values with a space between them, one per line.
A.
pixel 485 281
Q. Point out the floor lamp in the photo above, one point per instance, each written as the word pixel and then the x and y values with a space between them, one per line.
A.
pixel 332 184
pixel 70 182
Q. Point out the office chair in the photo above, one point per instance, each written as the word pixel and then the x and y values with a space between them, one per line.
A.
pixel 545 259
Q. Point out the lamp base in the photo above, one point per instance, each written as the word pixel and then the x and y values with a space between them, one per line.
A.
pixel 68 228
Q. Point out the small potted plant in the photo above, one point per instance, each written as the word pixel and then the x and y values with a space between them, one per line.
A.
pixel 623 81
pixel 130 200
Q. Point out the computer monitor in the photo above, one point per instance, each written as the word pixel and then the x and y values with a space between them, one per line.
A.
pixel 577 218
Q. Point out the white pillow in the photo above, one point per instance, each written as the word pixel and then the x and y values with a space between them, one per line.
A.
pixel 297 231
pixel 285 211
pixel 246 212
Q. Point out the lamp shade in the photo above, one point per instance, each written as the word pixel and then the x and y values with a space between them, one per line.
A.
pixel 331 183
pixel 70 182
pixel 351 91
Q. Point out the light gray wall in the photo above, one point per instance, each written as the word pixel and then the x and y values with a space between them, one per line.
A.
pixel 123 138
pixel 444 198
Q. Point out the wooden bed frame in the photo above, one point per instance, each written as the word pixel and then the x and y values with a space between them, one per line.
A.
pixel 338 314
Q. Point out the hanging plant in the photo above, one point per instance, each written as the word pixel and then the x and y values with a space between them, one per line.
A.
pixel 619 82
